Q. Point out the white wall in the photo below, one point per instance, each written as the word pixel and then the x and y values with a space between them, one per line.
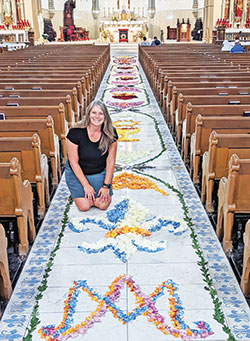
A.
pixel 167 12
pixel 82 15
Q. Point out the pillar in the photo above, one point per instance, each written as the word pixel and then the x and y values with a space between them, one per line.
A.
pixel 208 19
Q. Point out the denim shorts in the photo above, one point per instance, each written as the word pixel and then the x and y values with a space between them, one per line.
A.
pixel 75 187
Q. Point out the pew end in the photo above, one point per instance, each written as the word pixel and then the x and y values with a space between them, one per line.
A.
pixel 5 283
pixel 16 200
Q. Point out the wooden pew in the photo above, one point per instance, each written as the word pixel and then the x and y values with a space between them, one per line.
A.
pixel 218 86
pixel 60 94
pixel 34 165
pixel 5 283
pixel 204 125
pixel 215 160
pixel 70 116
pixel 45 85
pixel 16 201
pixel 234 197
pixel 178 116
pixel 205 110
pixel 76 91
pixel 173 105
pixel 165 89
pixel 49 140
pixel 245 282
pixel 57 112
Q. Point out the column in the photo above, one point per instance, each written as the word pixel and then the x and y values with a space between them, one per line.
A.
pixel 22 9
pixel 18 10
pixel 226 12
pixel 247 9
pixel 232 12
pixel 208 19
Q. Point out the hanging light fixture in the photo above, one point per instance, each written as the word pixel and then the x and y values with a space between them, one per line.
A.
pixel 51 4
pixel 195 8
pixel 151 8
pixel 95 9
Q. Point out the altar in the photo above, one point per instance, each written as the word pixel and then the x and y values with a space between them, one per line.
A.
pixel 122 30
pixel 12 35
pixel 15 30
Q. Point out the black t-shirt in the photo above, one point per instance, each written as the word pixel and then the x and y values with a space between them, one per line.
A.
pixel 91 159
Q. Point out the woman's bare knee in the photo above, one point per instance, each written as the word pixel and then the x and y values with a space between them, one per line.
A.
pixel 102 205
pixel 83 204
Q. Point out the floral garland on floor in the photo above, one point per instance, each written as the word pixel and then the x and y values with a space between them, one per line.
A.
pixel 125 67
pixel 125 235
pixel 125 88
pixel 124 96
pixel 125 123
pixel 107 302
pixel 121 82
pixel 124 134
pixel 125 74
pixel 125 128
pixel 125 60
pixel 121 105
pixel 132 181
pixel 121 69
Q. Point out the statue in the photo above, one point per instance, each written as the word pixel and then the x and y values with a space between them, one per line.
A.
pixel 7 10
pixel 238 7
pixel 40 24
pixel 69 6
pixel 124 15
pixel 197 32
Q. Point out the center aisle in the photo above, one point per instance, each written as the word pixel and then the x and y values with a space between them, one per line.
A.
pixel 142 269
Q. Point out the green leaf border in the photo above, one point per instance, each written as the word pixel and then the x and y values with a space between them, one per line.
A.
pixel 34 321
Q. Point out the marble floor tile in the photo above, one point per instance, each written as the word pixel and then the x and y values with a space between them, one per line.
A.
pixel 181 273
pixel 103 274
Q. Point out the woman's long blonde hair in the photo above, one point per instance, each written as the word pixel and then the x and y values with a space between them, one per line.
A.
pixel 107 135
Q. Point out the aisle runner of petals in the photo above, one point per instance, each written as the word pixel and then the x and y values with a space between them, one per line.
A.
pixel 130 227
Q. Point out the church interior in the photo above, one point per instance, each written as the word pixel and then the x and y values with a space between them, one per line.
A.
pixel 166 254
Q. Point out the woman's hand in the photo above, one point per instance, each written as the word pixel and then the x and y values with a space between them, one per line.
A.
pixel 89 193
pixel 103 193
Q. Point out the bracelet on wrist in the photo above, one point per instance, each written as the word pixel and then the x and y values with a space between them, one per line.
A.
pixel 106 185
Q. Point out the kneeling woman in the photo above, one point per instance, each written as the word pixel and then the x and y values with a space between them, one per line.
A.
pixel 92 145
